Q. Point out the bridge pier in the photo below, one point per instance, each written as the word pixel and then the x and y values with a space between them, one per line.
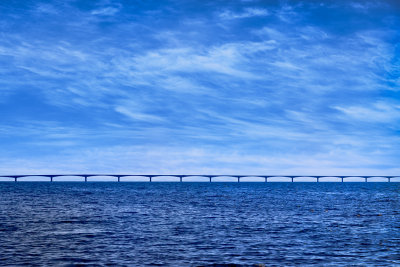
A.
pixel 209 178
pixel 366 179
pixel 238 179
pixel 15 179
pixel 85 178
pixel 150 178
pixel 119 178
pixel 180 178
pixel 266 179
pixel 342 179
pixel 317 179
pixel 292 179
pixel 388 179
pixel 51 178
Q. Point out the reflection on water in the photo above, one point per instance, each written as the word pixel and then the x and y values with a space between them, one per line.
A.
pixel 199 223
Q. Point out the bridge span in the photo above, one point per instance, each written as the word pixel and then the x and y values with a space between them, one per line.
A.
pixel 210 178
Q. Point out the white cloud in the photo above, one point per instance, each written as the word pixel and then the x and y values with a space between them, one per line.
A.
pixel 105 11
pixel 264 101
pixel 378 112
pixel 247 13
pixel 135 115
pixel 46 9
pixel 365 6
pixel 192 160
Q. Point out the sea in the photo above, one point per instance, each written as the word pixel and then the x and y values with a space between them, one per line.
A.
pixel 199 224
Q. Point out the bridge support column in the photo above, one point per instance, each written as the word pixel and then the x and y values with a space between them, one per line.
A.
pixel 292 179
pixel 266 179
pixel 210 178
pixel 51 178
pixel 150 178
pixel 85 179
pixel 389 179
pixel 238 179
pixel 180 178
pixel 119 178
pixel 342 179
pixel 366 179
pixel 317 179
pixel 15 179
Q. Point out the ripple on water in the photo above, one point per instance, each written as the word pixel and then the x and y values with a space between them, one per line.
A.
pixel 199 224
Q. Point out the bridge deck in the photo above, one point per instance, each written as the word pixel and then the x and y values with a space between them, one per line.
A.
pixel 209 177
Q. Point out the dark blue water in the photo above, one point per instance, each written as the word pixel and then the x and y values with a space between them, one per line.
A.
pixel 192 224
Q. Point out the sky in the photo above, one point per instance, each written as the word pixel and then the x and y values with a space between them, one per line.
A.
pixel 200 87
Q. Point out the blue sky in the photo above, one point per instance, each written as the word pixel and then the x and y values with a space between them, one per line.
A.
pixel 256 87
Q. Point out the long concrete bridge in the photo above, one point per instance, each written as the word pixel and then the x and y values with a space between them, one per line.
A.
pixel 182 176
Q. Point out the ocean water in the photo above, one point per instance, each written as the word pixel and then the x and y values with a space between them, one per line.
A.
pixel 199 224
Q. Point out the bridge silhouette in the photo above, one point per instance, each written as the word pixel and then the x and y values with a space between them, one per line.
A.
pixel 209 177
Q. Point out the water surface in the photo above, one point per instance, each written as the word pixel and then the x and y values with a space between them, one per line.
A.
pixel 195 224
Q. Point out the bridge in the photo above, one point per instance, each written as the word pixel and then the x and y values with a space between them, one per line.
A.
pixel 182 176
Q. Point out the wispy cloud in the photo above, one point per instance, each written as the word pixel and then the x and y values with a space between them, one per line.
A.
pixel 105 11
pixel 247 13
pixel 379 112
pixel 134 115
pixel 235 88
pixel 364 6
pixel 43 8
pixel 173 160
